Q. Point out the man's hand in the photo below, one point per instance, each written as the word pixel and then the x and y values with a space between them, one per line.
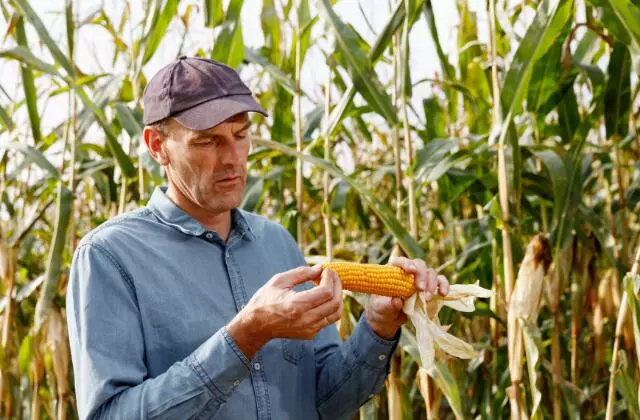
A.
pixel 277 311
pixel 384 314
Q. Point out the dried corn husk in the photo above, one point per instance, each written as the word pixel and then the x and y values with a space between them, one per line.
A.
pixel 431 336
pixel 524 306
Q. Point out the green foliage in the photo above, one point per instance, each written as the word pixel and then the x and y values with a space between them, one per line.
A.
pixel 569 101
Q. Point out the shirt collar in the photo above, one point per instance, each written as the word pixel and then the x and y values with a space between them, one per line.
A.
pixel 172 215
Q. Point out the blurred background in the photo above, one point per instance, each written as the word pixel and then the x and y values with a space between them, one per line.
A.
pixel 496 139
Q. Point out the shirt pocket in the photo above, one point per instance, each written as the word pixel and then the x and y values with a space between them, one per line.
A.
pixel 294 350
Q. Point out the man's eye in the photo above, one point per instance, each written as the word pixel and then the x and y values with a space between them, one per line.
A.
pixel 207 142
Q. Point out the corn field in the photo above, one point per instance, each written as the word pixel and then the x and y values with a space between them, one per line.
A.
pixel 516 164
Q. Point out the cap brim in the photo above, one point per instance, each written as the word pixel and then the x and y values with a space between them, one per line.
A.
pixel 211 113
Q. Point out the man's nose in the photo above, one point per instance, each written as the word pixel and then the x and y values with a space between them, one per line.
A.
pixel 230 152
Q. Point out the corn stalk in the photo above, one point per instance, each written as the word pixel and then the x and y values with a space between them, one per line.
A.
pixel 621 319
pixel 326 176
pixel 298 133
pixel 8 257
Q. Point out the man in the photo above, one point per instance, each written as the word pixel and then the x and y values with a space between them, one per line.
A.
pixel 192 308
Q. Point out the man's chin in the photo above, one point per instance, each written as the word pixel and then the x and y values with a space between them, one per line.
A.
pixel 228 202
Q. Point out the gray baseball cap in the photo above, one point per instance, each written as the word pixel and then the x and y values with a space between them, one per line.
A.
pixel 199 93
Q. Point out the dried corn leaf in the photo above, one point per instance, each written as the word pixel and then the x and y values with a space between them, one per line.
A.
pixel 57 343
pixel 532 347
pixel 433 338
pixel 451 344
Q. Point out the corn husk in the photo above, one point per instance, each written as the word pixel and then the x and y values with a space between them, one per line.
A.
pixel 524 306
pixel 432 336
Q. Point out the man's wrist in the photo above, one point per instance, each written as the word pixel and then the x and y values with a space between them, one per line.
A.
pixel 383 330
pixel 247 334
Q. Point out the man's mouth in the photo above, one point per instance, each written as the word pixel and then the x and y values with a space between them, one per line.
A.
pixel 229 180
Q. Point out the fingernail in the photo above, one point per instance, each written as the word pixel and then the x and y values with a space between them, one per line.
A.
pixel 316 267
pixel 428 295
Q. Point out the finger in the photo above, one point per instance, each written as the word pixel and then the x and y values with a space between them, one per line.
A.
pixel 397 304
pixel 313 297
pixel 317 313
pixel 443 285
pixel 385 307
pixel 327 279
pixel 399 261
pixel 410 266
pixel 326 321
pixel 337 286
pixel 432 281
pixel 296 276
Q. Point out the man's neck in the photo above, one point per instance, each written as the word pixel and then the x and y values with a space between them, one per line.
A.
pixel 218 222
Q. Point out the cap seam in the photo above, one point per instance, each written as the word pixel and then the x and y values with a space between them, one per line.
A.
pixel 169 95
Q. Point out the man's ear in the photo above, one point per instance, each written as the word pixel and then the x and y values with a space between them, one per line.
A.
pixel 154 140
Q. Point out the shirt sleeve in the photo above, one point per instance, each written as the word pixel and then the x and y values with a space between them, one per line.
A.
pixel 350 373
pixel 108 354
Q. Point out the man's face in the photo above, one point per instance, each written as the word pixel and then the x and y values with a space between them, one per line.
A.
pixel 209 167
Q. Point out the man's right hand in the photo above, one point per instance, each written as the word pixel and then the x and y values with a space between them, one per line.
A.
pixel 277 311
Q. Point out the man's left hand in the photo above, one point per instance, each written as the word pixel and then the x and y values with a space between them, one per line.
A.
pixel 384 314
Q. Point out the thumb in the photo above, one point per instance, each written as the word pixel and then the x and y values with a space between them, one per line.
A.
pixel 397 303
pixel 298 275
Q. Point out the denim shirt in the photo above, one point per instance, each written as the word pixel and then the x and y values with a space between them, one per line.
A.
pixel 149 295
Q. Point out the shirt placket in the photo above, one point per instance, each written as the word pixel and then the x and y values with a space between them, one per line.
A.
pixel 239 292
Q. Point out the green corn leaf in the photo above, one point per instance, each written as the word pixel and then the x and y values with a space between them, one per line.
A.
pixel 71 27
pixel 25 56
pixel 386 215
pixel 446 382
pixel 213 13
pixel 279 76
pixel 6 120
pixel 28 84
pixel 35 156
pixel 632 286
pixel 124 161
pixel 381 44
pixel 540 36
pixel 533 348
pixel 271 30
pixel 158 29
pixel 360 66
pixel 33 18
pixel 25 354
pixel 617 97
pixel 253 193
pixel 56 253
pixel 128 120
pixel 628 14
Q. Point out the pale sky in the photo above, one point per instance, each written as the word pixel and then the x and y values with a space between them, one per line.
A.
pixel 94 46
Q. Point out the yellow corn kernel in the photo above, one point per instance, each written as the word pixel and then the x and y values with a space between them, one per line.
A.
pixel 386 280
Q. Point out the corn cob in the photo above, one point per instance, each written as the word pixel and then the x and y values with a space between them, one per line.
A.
pixel 386 280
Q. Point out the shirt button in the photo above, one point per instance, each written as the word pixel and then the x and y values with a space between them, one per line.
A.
pixel 242 306
pixel 256 366
pixel 382 357
pixel 209 235
pixel 236 382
